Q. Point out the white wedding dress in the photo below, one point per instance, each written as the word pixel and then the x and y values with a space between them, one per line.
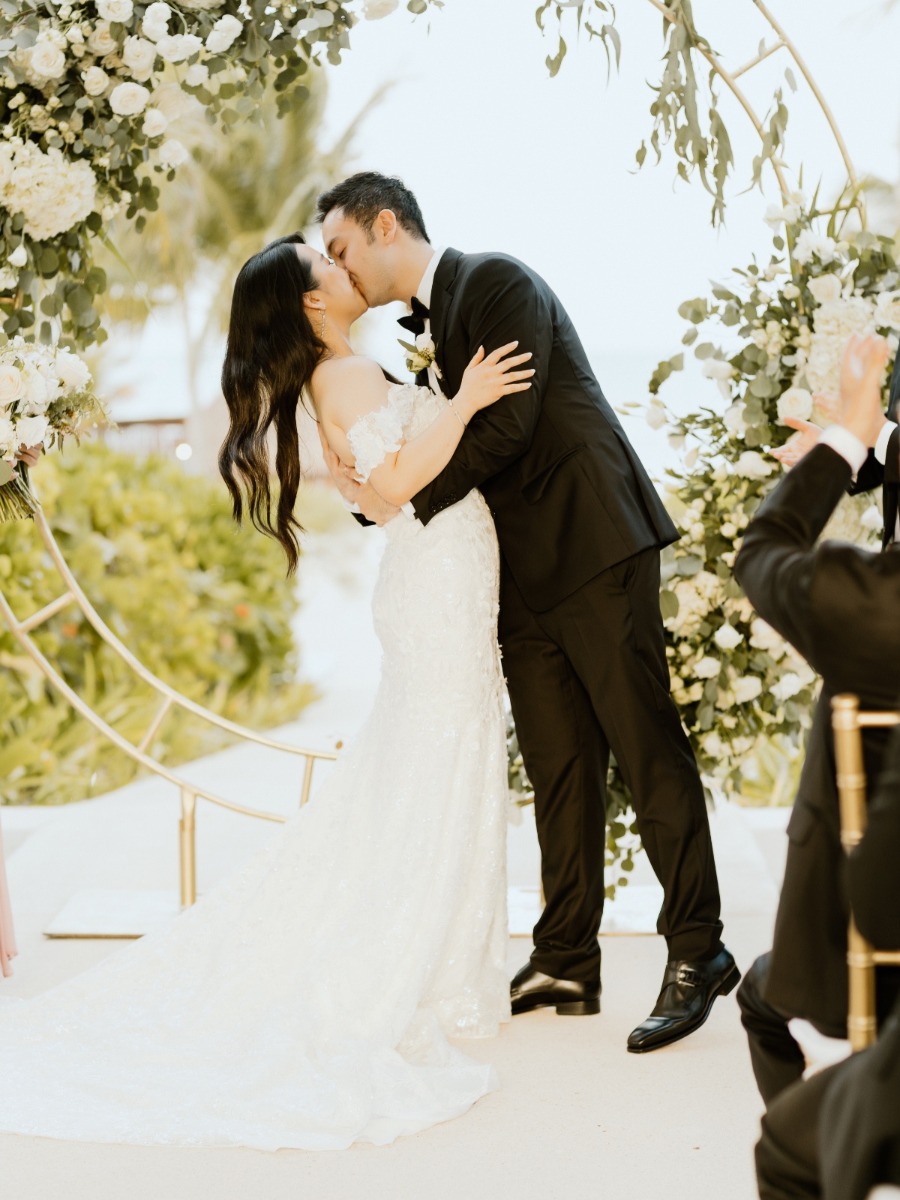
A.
pixel 307 1000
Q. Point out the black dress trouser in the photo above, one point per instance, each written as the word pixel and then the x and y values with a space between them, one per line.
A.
pixel 587 677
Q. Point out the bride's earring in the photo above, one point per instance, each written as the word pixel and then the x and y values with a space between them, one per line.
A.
pixel 322 330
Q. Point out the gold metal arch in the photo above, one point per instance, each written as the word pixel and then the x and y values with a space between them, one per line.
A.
pixel 22 629
pixel 730 78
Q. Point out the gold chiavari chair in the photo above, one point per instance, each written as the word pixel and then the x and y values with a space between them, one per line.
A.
pixel 848 722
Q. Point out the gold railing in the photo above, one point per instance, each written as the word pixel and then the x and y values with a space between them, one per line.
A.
pixel 169 699
pixel 848 722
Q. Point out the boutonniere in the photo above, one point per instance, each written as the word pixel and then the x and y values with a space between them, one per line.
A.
pixel 421 356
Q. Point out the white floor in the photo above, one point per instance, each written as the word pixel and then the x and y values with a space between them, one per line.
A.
pixel 576 1117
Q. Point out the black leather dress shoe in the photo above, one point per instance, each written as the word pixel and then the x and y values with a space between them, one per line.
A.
pixel 570 997
pixel 687 995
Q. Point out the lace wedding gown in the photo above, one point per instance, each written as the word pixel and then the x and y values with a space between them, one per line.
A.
pixel 307 1000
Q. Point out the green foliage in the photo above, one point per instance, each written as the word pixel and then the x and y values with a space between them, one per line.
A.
pixel 202 604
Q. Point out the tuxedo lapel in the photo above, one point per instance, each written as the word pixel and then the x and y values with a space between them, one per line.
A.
pixel 441 295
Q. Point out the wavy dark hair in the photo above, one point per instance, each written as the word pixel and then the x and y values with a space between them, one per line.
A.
pixel 271 354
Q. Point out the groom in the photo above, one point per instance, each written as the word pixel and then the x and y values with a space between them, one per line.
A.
pixel 580 528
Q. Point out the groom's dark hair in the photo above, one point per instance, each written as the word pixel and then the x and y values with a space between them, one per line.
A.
pixel 363 196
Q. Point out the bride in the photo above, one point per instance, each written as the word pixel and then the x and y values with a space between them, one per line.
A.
pixel 307 1001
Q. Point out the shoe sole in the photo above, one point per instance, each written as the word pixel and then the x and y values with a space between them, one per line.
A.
pixel 729 983
pixel 571 1008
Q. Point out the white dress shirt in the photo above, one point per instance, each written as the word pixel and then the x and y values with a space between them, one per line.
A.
pixel 880 451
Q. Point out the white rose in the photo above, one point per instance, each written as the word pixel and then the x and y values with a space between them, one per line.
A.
pixel 718 368
pixel 872 518
pixel 139 56
pixel 45 60
pixel 155 24
pixel 795 402
pixel 72 371
pixel 788 685
pixel 172 153
pixel 376 9
pixel 196 75
pixel 115 10
pixel 223 34
pixel 10 383
pixel 19 256
pixel 36 391
pixel 825 289
pixel 752 465
pixel 425 343
pixel 96 81
pixel 155 123
pixel 811 244
pixel 101 40
pixel 30 431
pixel 656 415
pixel 747 688
pixel 129 99
pixel 707 668
pixel 727 637
pixel 733 417
pixel 887 310
pixel 176 47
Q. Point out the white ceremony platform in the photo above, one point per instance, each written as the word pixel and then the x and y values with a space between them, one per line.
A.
pixel 576 1118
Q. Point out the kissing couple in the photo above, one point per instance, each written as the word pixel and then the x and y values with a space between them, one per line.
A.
pixel 308 1000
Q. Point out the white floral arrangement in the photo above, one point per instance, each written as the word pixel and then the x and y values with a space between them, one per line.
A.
pixel 92 91
pixel 45 396
pixel 744 694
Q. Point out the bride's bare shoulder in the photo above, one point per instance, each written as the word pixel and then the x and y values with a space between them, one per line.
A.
pixel 346 386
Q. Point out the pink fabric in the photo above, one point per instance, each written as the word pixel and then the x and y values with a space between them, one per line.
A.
pixel 7 936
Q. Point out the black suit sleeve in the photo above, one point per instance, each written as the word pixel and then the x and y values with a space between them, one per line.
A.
pixel 777 560
pixel 874 867
pixel 501 304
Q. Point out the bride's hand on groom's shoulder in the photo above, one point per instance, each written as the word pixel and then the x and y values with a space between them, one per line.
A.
pixel 490 377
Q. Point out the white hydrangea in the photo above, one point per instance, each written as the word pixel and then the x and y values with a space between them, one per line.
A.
pixel 835 322
pixel 176 47
pixel 52 192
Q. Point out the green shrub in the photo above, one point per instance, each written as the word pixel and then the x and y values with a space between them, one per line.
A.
pixel 202 604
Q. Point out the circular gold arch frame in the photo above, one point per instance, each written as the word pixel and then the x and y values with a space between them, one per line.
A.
pixel 171 699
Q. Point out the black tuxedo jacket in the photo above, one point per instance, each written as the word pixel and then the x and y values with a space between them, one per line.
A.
pixel 840 607
pixel 568 494
pixel 859 1128
pixel 873 474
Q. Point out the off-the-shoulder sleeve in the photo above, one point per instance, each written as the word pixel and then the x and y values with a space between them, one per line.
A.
pixel 380 432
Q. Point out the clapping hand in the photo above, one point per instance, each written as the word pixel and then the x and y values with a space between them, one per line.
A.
pixel 29 455
pixel 862 374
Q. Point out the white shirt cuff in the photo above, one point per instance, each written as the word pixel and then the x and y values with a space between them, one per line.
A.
pixel 846 444
pixel 408 510
pixel 881 445
pixel 351 506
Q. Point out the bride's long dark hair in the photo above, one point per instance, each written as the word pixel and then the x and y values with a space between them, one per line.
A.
pixel 272 352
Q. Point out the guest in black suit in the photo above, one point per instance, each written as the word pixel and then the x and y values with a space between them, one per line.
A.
pixel 580 527
pixel 881 467
pixel 839 606
pixel 837 1134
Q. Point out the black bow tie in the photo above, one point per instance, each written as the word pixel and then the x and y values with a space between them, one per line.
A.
pixel 415 322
